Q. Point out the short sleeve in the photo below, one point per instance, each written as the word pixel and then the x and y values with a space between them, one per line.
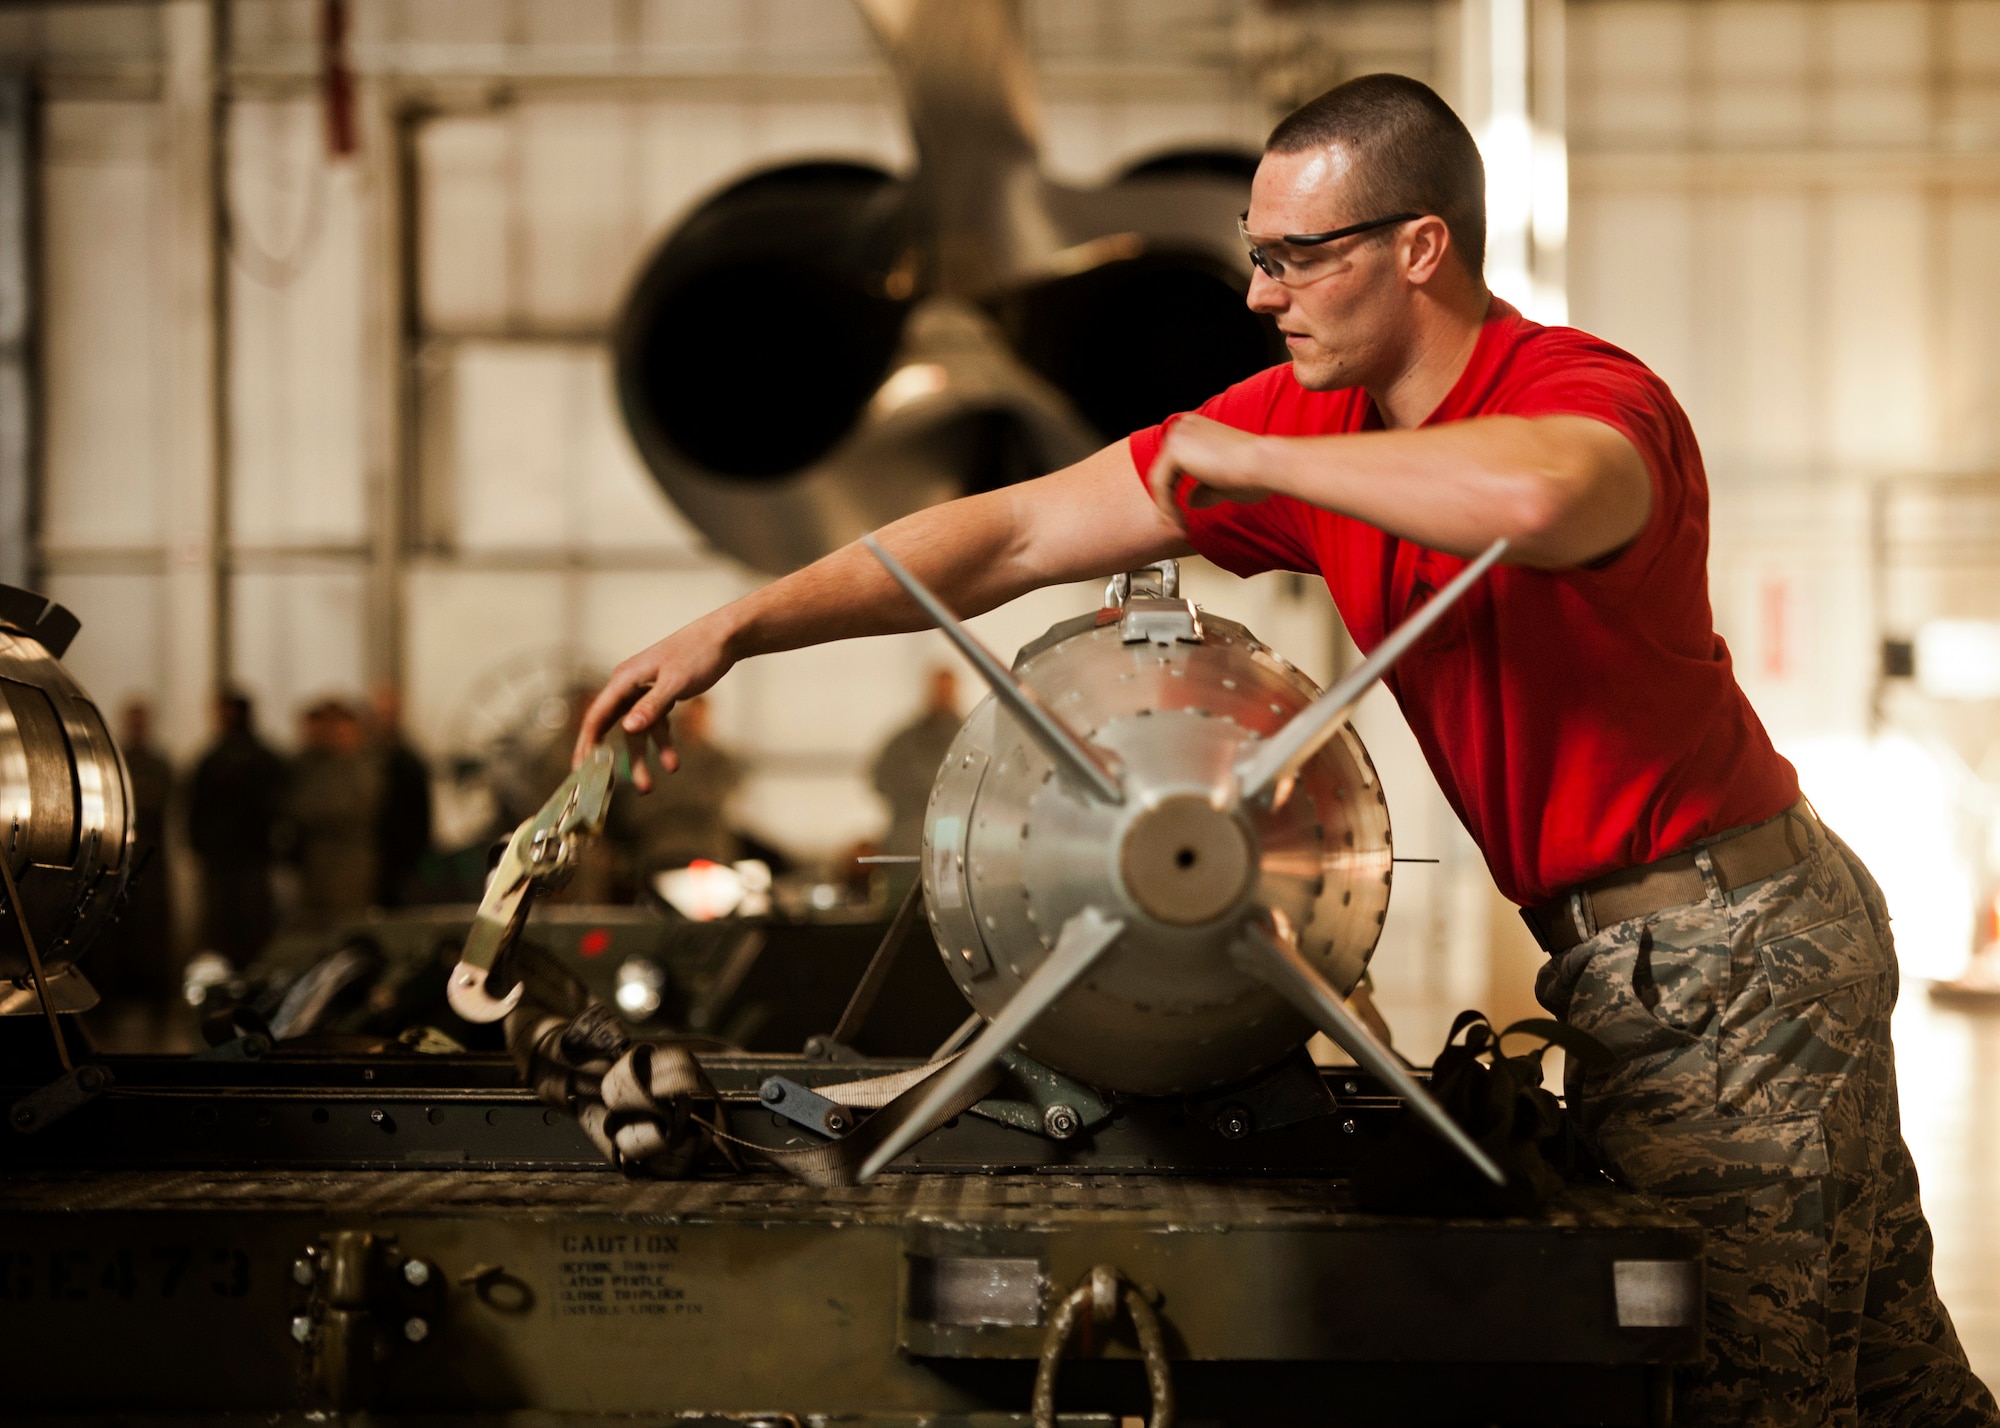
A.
pixel 1567 373
pixel 1243 539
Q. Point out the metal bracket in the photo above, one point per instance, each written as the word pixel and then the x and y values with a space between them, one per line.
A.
pixel 57 1099
pixel 1148 606
pixel 1291 1092
pixel 1043 1102
pixel 1160 622
pixel 802 1105
pixel 362 1300
pixel 1161 580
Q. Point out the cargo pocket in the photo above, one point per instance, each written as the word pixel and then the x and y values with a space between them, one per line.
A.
pixel 1756 1185
pixel 1642 996
pixel 1717 1154
pixel 1818 961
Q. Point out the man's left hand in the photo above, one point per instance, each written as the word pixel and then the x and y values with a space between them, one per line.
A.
pixel 1216 463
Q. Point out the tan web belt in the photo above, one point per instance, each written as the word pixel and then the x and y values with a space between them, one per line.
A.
pixel 1738 859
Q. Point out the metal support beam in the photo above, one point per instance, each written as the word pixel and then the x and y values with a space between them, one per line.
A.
pixel 20 417
pixel 1511 92
pixel 385 160
pixel 196 615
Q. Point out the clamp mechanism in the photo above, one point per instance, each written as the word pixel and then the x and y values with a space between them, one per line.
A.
pixel 539 857
pixel 1159 581
pixel 1148 606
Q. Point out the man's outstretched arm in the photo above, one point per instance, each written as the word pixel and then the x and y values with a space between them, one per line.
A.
pixel 1563 490
pixel 977 553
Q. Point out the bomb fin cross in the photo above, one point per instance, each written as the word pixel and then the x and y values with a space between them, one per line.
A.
pixel 1096 941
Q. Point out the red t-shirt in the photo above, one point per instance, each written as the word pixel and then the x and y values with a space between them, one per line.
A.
pixel 1579 721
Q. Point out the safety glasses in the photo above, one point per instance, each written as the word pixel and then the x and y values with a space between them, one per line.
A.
pixel 1296 259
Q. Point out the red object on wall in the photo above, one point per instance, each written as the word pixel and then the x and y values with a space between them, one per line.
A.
pixel 336 79
pixel 1775 617
pixel 593 943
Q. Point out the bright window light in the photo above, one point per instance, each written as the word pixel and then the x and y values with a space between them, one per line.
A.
pixel 1959 659
pixel 1908 813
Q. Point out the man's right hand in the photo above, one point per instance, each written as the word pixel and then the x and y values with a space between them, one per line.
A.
pixel 644 689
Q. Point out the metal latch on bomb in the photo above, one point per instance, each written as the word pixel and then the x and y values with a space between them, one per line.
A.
pixel 1149 606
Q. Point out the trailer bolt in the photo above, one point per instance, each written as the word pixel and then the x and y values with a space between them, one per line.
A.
pixel 416 1273
pixel 302 1271
pixel 302 1327
pixel 1061 1122
pixel 416 1330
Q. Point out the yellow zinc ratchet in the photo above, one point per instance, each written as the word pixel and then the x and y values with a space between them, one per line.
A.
pixel 539 857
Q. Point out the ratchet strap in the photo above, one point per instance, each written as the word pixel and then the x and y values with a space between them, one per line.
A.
pixel 839 1162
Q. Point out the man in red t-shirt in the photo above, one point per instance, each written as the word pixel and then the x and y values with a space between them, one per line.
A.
pixel 1577 708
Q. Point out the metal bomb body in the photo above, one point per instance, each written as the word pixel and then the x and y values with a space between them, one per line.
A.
pixel 1012 851
pixel 1176 846
pixel 1155 858
pixel 66 817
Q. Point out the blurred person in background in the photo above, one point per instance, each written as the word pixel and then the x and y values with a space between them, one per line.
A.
pixel 683 818
pixel 908 764
pixel 333 809
pixel 133 965
pixel 235 800
pixel 403 821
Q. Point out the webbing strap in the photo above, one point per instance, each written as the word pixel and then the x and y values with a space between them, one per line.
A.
pixel 878 1091
pixel 839 1162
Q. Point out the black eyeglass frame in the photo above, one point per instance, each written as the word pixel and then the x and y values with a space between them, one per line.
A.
pixel 1314 240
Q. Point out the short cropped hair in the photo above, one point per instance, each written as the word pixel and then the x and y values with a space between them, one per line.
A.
pixel 1412 154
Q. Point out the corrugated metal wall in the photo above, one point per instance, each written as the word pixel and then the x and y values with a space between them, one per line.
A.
pixel 1788 207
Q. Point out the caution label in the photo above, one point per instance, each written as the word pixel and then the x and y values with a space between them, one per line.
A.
pixel 605 1275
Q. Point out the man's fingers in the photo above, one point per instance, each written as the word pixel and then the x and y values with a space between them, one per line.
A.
pixel 648 717
pixel 642 763
pixel 649 709
pixel 600 714
pixel 1160 481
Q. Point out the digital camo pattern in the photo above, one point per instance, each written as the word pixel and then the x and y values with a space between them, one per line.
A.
pixel 1754 1089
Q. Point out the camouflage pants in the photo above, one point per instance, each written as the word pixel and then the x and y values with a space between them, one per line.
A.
pixel 1754 1089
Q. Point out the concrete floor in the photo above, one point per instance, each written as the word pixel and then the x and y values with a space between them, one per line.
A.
pixel 1948 1067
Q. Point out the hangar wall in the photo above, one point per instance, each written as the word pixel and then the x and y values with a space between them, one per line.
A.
pixel 520 162
pixel 1790 210
pixel 418 472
